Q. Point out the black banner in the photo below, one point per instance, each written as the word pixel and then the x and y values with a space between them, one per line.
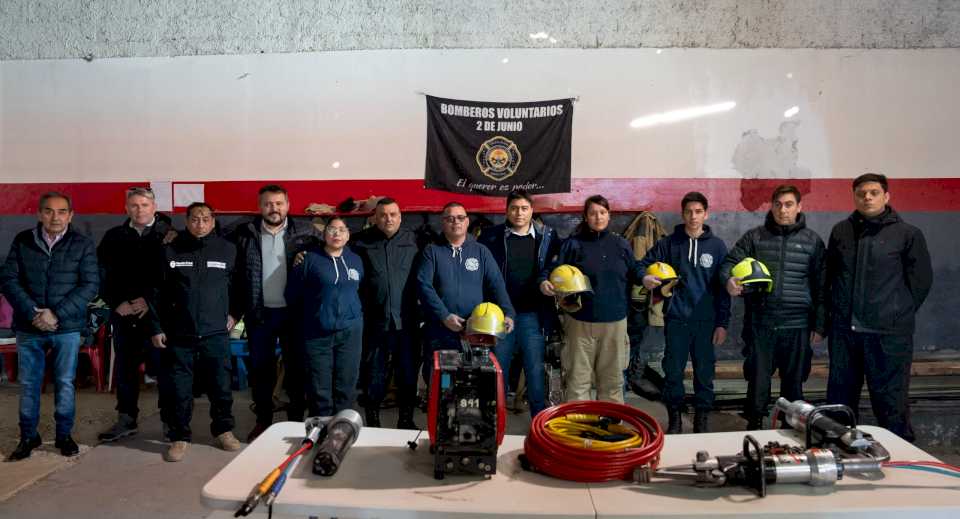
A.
pixel 494 148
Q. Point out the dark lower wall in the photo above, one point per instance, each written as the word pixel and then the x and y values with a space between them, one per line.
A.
pixel 938 329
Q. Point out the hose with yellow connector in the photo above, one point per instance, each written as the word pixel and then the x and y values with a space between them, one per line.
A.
pixel 593 441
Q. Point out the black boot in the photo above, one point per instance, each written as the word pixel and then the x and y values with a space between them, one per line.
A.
pixel 701 421
pixel 405 420
pixel 372 416
pixel 754 423
pixel 67 446
pixel 676 420
pixel 24 448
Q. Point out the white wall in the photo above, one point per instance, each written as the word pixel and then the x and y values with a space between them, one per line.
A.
pixel 291 116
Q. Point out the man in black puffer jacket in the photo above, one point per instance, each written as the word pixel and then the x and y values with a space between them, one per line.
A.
pixel 266 247
pixel 779 326
pixel 49 278
pixel 190 318
pixel 879 273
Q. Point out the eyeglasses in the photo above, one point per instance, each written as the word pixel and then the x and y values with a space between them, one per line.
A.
pixel 333 231
pixel 457 218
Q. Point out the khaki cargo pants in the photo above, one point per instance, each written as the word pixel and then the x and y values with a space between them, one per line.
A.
pixel 594 349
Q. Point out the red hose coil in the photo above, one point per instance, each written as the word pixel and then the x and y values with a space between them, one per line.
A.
pixel 550 457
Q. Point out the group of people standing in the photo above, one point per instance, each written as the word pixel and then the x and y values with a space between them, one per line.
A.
pixel 349 310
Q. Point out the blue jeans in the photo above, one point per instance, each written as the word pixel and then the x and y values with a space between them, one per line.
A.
pixel 526 337
pixel 31 352
pixel 332 363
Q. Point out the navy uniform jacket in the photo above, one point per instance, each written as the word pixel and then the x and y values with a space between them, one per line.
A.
pixel 452 282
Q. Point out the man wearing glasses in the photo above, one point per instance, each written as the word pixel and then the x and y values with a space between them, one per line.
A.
pixel 455 276
pixel 126 253
pixel 266 248
pixel 325 287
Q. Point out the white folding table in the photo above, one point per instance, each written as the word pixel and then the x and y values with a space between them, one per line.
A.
pixel 382 478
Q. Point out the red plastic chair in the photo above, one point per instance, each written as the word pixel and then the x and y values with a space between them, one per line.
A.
pixel 8 345
pixel 97 354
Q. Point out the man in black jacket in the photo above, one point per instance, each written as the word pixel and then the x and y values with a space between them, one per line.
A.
pixel 879 274
pixel 780 325
pixel 49 278
pixel 266 248
pixel 391 321
pixel 126 254
pixel 525 251
pixel 190 317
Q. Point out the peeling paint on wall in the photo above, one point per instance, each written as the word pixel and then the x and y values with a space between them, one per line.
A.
pixel 773 158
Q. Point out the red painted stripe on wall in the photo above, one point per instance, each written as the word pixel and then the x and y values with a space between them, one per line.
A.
pixel 658 194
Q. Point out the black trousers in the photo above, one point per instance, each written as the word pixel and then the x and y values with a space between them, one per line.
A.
pixel 884 361
pixel 693 339
pixel 384 352
pixel 132 347
pixel 210 357
pixel 770 350
pixel 262 338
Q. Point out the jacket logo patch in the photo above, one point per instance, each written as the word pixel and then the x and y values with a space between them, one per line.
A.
pixel 175 264
pixel 216 265
pixel 472 264
pixel 706 260
pixel 353 275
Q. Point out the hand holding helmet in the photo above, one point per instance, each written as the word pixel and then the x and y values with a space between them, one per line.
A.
pixel 750 276
pixel 567 283
pixel 661 278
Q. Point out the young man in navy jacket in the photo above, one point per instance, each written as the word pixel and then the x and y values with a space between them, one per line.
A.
pixel 524 250
pixel 453 278
pixel 698 313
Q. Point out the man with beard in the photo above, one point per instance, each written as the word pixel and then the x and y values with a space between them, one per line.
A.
pixel 266 248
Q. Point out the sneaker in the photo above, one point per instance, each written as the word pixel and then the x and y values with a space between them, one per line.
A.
pixel 126 426
pixel 67 446
pixel 257 431
pixel 176 452
pixel 228 442
pixel 24 448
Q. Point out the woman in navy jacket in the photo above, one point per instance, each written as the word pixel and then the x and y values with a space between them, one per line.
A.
pixel 325 290
pixel 596 335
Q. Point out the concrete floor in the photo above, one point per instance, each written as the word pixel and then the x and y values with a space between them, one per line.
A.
pixel 129 478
